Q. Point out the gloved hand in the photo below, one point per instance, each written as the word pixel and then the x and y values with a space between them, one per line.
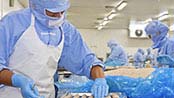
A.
pixel 100 88
pixel 165 60
pixel 28 89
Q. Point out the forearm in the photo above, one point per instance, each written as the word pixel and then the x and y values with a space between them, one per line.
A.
pixel 97 72
pixel 5 77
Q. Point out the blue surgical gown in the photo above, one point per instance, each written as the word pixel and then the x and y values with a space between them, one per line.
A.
pixel 76 56
pixel 117 57
pixel 167 47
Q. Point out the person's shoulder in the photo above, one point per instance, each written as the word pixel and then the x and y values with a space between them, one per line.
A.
pixel 69 28
pixel 67 25
pixel 22 14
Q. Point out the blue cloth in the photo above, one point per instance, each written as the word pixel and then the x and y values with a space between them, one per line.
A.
pixel 159 84
pixel 76 56
pixel 158 31
pixel 27 86
pixel 167 47
pixel 117 56
pixel 139 58
pixel 100 88
pixel 165 60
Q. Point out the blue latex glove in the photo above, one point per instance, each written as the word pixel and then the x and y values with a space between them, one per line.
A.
pixel 165 60
pixel 100 88
pixel 28 89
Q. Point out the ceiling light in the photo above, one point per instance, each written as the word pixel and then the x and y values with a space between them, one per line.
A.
pixel 105 22
pixel 163 17
pixel 112 15
pixel 163 13
pixel 113 11
pixel 122 5
pixel 105 18
pixel 100 27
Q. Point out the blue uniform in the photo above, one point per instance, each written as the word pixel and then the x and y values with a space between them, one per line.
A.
pixel 117 57
pixel 158 32
pixel 76 56
pixel 139 58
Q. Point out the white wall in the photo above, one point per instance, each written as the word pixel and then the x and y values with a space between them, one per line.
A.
pixel 97 40
pixel 5 8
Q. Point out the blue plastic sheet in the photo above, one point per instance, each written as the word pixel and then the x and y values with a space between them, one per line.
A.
pixel 114 63
pixel 160 84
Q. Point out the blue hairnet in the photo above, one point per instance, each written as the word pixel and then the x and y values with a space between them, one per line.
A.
pixel 112 43
pixel 156 26
pixel 39 6
pixel 158 32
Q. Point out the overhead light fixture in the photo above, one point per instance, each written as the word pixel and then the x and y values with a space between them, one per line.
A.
pixel 105 22
pixel 99 27
pixel 113 10
pixel 112 15
pixel 163 17
pixel 105 18
pixel 122 5
pixel 163 13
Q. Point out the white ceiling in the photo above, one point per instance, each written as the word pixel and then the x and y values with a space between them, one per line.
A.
pixel 85 13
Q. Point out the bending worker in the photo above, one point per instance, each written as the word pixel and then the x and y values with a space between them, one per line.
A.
pixel 150 57
pixel 157 31
pixel 139 58
pixel 33 41
pixel 117 57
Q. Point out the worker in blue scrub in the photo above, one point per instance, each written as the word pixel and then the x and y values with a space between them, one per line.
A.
pixel 150 57
pixel 139 58
pixel 33 41
pixel 118 56
pixel 158 31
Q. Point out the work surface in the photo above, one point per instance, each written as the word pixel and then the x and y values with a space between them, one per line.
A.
pixel 130 71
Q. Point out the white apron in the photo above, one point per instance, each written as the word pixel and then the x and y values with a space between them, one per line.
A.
pixel 35 60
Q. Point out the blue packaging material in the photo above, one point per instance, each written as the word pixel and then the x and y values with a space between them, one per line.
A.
pixel 159 84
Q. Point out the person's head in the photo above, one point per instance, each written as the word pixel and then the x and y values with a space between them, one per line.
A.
pixel 149 50
pixel 49 9
pixel 157 31
pixel 140 51
pixel 112 43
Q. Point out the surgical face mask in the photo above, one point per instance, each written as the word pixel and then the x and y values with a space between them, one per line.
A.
pixel 56 22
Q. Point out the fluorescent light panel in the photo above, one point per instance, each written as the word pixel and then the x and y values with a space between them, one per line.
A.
pixel 122 5
pixel 100 27
pixel 105 22
pixel 112 15
pixel 163 17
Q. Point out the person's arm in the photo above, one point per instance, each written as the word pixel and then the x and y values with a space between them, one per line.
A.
pixel 97 72
pixel 5 77
pixel 77 58
pixel 11 28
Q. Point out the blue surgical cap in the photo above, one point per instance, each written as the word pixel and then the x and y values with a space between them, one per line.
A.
pixel 112 43
pixel 158 32
pixel 51 5
pixel 156 26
